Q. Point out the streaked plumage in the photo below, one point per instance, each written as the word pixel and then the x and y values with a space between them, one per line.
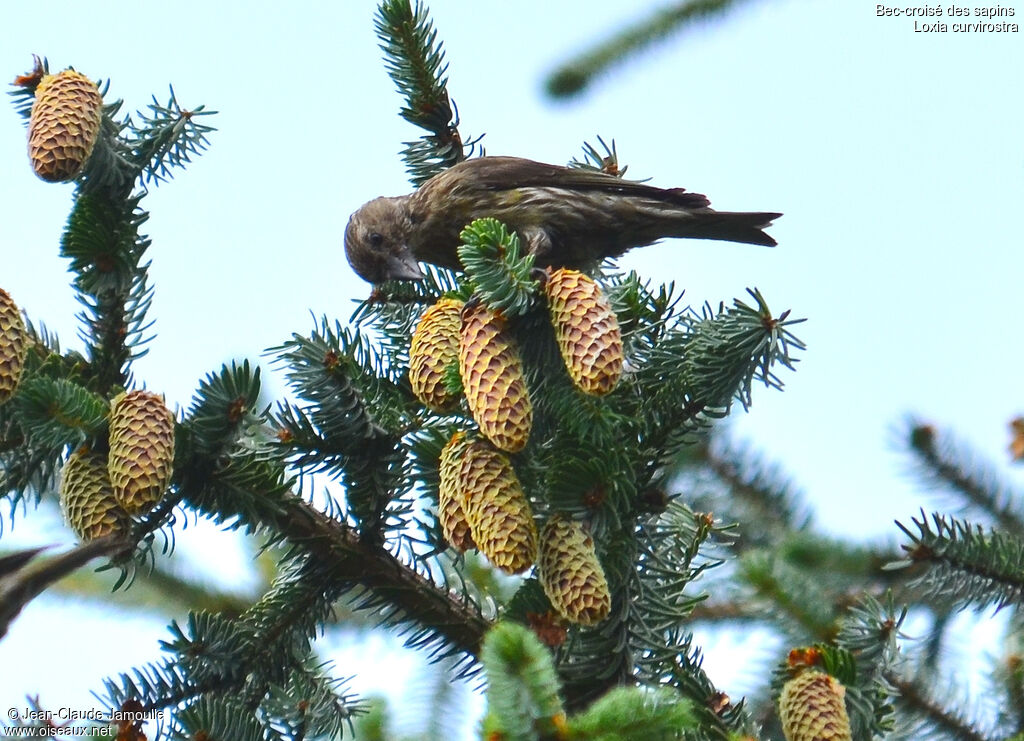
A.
pixel 566 217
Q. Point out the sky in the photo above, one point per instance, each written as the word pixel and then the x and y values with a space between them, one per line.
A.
pixel 896 157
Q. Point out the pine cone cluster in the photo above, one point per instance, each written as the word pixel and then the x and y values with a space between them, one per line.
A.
pixel 812 708
pixel 63 125
pixel 13 346
pixel 101 491
pixel 481 503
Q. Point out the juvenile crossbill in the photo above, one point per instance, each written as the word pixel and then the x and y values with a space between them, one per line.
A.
pixel 566 217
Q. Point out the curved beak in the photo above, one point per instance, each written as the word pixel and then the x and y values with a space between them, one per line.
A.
pixel 403 266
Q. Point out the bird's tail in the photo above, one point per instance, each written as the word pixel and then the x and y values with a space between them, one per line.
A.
pixel 731 226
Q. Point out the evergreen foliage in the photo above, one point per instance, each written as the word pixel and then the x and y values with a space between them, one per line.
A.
pixel 689 529
pixel 572 77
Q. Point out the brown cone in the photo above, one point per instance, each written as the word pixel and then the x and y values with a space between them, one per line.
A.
pixel 64 125
pixel 571 574
pixel 586 329
pixel 435 348
pixel 492 377
pixel 812 708
pixel 141 449
pixel 87 499
pixel 496 508
pixel 13 346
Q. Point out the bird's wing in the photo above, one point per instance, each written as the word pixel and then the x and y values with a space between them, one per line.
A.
pixel 507 173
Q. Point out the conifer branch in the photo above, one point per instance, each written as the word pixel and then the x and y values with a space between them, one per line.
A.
pixel 915 699
pixel 167 137
pixel 355 562
pixel 797 595
pixel 24 578
pixel 572 77
pixel 967 564
pixel 495 264
pixel 766 490
pixel 718 717
pixel 945 462
pixel 414 59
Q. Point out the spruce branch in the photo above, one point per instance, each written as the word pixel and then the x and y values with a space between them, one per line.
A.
pixel 253 657
pixel 339 377
pixel 629 713
pixel 161 591
pixel 913 697
pixel 723 353
pixel 572 77
pixel 870 632
pixel 606 162
pixel 950 465
pixel 168 136
pixel 492 258
pixel 54 413
pixel 522 687
pixel 762 486
pixel 23 576
pixel 803 601
pixel 645 312
pixel 414 59
pixel 671 559
pixel 966 563
pixel 217 717
pixel 718 718
pixel 401 594
pixel 103 243
pixel 728 351
pixel 221 474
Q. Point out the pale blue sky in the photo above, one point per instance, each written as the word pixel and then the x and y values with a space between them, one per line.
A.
pixel 896 157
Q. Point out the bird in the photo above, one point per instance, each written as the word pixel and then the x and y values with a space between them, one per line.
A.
pixel 566 217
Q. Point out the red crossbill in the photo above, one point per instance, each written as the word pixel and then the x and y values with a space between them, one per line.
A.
pixel 566 217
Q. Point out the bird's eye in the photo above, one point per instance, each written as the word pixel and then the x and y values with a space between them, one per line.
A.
pixel 376 239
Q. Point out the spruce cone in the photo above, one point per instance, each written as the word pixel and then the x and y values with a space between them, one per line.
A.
pixel 812 708
pixel 87 499
pixel 570 573
pixel 435 347
pixel 587 330
pixel 13 346
pixel 64 125
pixel 498 512
pixel 141 450
pixel 492 376
pixel 449 496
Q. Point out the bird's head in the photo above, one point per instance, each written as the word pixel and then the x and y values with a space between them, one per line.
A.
pixel 376 242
